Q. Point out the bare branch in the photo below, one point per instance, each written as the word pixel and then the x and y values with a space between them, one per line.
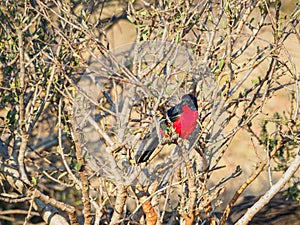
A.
pixel 271 192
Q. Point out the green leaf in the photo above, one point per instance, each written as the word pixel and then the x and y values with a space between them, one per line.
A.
pixel 78 166
pixel 224 24
pixel 221 64
pixel 258 49
pixel 131 19
pixel 254 81
pixel 226 6
pixel 84 25
pixel 143 12
pixel 145 34
pixel 58 149
pixel 34 181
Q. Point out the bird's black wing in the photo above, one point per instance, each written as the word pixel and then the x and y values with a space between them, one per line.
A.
pixel 174 112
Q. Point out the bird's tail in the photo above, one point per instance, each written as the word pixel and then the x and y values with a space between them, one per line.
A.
pixel 150 143
pixel 147 148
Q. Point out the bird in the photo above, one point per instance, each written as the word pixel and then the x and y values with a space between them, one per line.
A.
pixel 182 118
